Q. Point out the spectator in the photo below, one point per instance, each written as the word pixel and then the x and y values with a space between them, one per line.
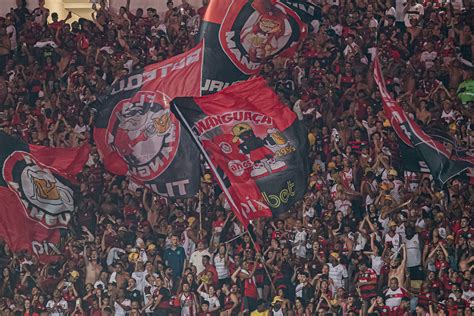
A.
pixel 370 222
pixel 175 257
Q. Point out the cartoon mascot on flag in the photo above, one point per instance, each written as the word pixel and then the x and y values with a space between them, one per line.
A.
pixel 259 150
pixel 141 131
pixel 264 36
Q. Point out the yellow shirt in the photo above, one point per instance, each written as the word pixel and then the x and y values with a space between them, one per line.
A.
pixel 257 313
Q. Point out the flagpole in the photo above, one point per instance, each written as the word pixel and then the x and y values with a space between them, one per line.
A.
pixel 263 261
pixel 221 182
pixel 200 214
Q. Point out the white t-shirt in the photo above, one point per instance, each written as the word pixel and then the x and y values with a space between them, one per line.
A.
pixel 360 243
pixel 213 301
pixel 58 309
pixel 414 12
pixel 428 58
pixel 399 7
pixel 384 223
pixel 154 29
pixel 188 244
pixel 395 240
pixel 457 4
pixel 119 311
pixel 377 263
pixel 343 206
pixel 337 274
pixel 390 11
pixel 413 251
pixel 39 15
pixel 300 244
pixel 299 290
pixel 394 298
pixel 196 259
pixel 221 267
pixel 351 49
pixel 81 129
pixel 11 31
pixel 297 110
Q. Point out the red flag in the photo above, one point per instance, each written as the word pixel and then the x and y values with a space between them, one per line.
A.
pixel 37 195
pixel 393 111
pixel 257 142
pixel 240 36
pixel 444 163
pixel 136 134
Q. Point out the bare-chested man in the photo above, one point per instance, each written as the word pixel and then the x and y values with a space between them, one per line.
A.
pixel 119 276
pixel 93 268
pixel 398 268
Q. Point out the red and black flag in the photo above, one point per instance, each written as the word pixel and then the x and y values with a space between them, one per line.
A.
pixel 256 146
pixel 307 11
pixel 138 136
pixel 37 194
pixel 241 35
pixel 443 162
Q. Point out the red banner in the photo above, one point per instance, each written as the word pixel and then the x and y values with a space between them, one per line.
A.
pixel 136 134
pixel 240 36
pixel 253 139
pixel 37 195
pixel 444 163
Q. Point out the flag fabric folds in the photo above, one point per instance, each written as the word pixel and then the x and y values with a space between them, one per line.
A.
pixel 240 36
pixel 307 10
pixel 137 135
pixel 256 146
pixel 37 194
pixel 444 163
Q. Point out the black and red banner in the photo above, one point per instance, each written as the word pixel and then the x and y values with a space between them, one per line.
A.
pixel 256 144
pixel 137 135
pixel 306 10
pixel 444 163
pixel 37 195
pixel 241 35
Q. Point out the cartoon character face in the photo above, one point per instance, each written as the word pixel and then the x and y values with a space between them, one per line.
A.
pixel 256 41
pixel 162 122
pixel 158 123
pixel 242 131
pixel 144 133
pixel 45 191
pixel 277 136
pixel 247 135
pixel 268 25
pixel 133 116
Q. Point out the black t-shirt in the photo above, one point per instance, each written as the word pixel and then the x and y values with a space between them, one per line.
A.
pixel 308 293
pixel 21 14
pixel 134 295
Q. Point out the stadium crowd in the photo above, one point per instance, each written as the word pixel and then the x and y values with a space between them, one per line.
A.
pixel 370 237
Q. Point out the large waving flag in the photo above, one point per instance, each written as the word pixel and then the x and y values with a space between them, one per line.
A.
pixel 443 163
pixel 137 135
pixel 241 35
pixel 37 195
pixel 256 146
